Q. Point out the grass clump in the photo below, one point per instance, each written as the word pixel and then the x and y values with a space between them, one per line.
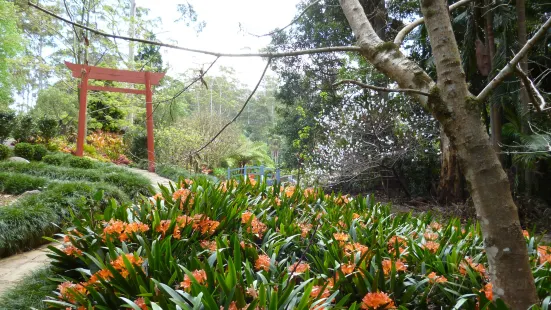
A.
pixel 30 292
pixel 4 152
pixel 18 183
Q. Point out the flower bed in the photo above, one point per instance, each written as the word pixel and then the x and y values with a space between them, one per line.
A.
pixel 255 247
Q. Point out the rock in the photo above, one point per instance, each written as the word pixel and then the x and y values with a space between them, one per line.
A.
pixel 28 193
pixel 18 159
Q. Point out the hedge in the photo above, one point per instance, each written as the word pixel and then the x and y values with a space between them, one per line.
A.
pixel 26 221
pixel 18 183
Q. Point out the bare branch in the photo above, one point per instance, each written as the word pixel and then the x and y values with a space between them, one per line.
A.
pixel 409 27
pixel 288 25
pixel 383 89
pixel 535 96
pixel 510 67
pixel 240 111
pixel 192 50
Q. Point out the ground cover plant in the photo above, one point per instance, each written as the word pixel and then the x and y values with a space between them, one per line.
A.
pixel 248 246
pixel 30 292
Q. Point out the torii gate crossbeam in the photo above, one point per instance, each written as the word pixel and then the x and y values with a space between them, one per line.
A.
pixel 85 72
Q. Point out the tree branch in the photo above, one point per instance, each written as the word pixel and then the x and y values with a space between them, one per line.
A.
pixel 510 67
pixel 240 111
pixel 535 96
pixel 192 50
pixel 383 89
pixel 409 27
pixel 288 25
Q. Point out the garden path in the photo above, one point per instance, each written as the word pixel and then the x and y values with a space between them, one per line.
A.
pixel 16 267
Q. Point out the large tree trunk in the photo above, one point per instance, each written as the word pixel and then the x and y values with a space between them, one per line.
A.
pixel 524 99
pixel 450 186
pixel 452 105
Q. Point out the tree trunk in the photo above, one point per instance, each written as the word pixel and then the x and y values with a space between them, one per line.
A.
pixel 458 113
pixel 451 185
pixel 524 99
pixel 496 122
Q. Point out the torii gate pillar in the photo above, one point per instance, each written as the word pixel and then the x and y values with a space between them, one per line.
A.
pixel 85 73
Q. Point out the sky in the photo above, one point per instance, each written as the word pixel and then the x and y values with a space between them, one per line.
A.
pixel 222 32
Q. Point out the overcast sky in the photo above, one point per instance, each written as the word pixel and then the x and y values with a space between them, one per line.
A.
pixel 222 32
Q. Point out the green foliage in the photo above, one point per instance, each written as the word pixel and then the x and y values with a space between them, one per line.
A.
pixel 56 159
pixel 234 245
pixel 24 150
pixel 249 153
pixel 7 122
pixel 48 128
pixel 10 45
pixel 4 152
pixel 104 112
pixel 39 151
pixel 18 183
pixel 30 292
pixel 25 129
pixel 80 162
pixel 24 222
pixel 136 142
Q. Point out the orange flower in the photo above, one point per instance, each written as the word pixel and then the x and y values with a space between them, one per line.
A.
pixel 199 275
pixel 377 300
pixel 72 251
pixel 206 244
pixel 525 233
pixel 299 268
pixel 156 198
pixel 395 240
pixel 544 253
pixel 246 217
pixel 263 263
pixel 340 237
pixel 309 192
pixel 387 266
pixel 433 278
pixel 475 266
pixel 488 291
pixel 119 265
pixel 350 248
pixel 435 226
pixel 69 290
pixel 305 229
pixel 355 216
pixel 341 200
pixel 277 201
pixel 186 183
pixel 318 293
pixel 140 302
pixel 184 195
pixel 347 268
pixel 114 227
pixel 163 227
pixel 289 191
pixel 131 228
pixel 430 236
pixel 431 246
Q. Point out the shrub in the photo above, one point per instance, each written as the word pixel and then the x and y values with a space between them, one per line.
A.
pixel 18 183
pixel 39 152
pixel 25 129
pixel 7 123
pixel 4 152
pixel 80 162
pixel 136 142
pixel 56 159
pixel 48 128
pixel 24 150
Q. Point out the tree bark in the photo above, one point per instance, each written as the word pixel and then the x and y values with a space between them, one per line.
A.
pixel 458 113
pixel 496 122
pixel 450 186
pixel 524 98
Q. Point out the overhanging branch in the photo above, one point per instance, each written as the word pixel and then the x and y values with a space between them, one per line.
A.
pixel 409 27
pixel 510 67
pixel 383 89
pixel 193 50
pixel 535 96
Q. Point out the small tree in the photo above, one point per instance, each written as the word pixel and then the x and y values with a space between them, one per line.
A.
pixel 7 120
pixel 48 128
pixel 24 129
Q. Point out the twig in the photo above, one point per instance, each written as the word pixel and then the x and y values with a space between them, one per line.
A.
pixel 240 111
pixel 303 255
pixel 383 89
pixel 291 23
pixel 537 99
pixel 510 67
pixel 330 49
pixel 409 27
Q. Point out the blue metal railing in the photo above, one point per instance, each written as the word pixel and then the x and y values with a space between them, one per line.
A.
pixel 260 172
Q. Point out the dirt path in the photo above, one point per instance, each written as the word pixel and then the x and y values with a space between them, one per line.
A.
pixel 16 267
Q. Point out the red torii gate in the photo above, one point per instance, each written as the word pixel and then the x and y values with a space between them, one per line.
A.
pixel 85 73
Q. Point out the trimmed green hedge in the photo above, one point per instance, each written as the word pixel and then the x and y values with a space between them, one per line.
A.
pixel 132 183
pixel 26 221
pixel 18 183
